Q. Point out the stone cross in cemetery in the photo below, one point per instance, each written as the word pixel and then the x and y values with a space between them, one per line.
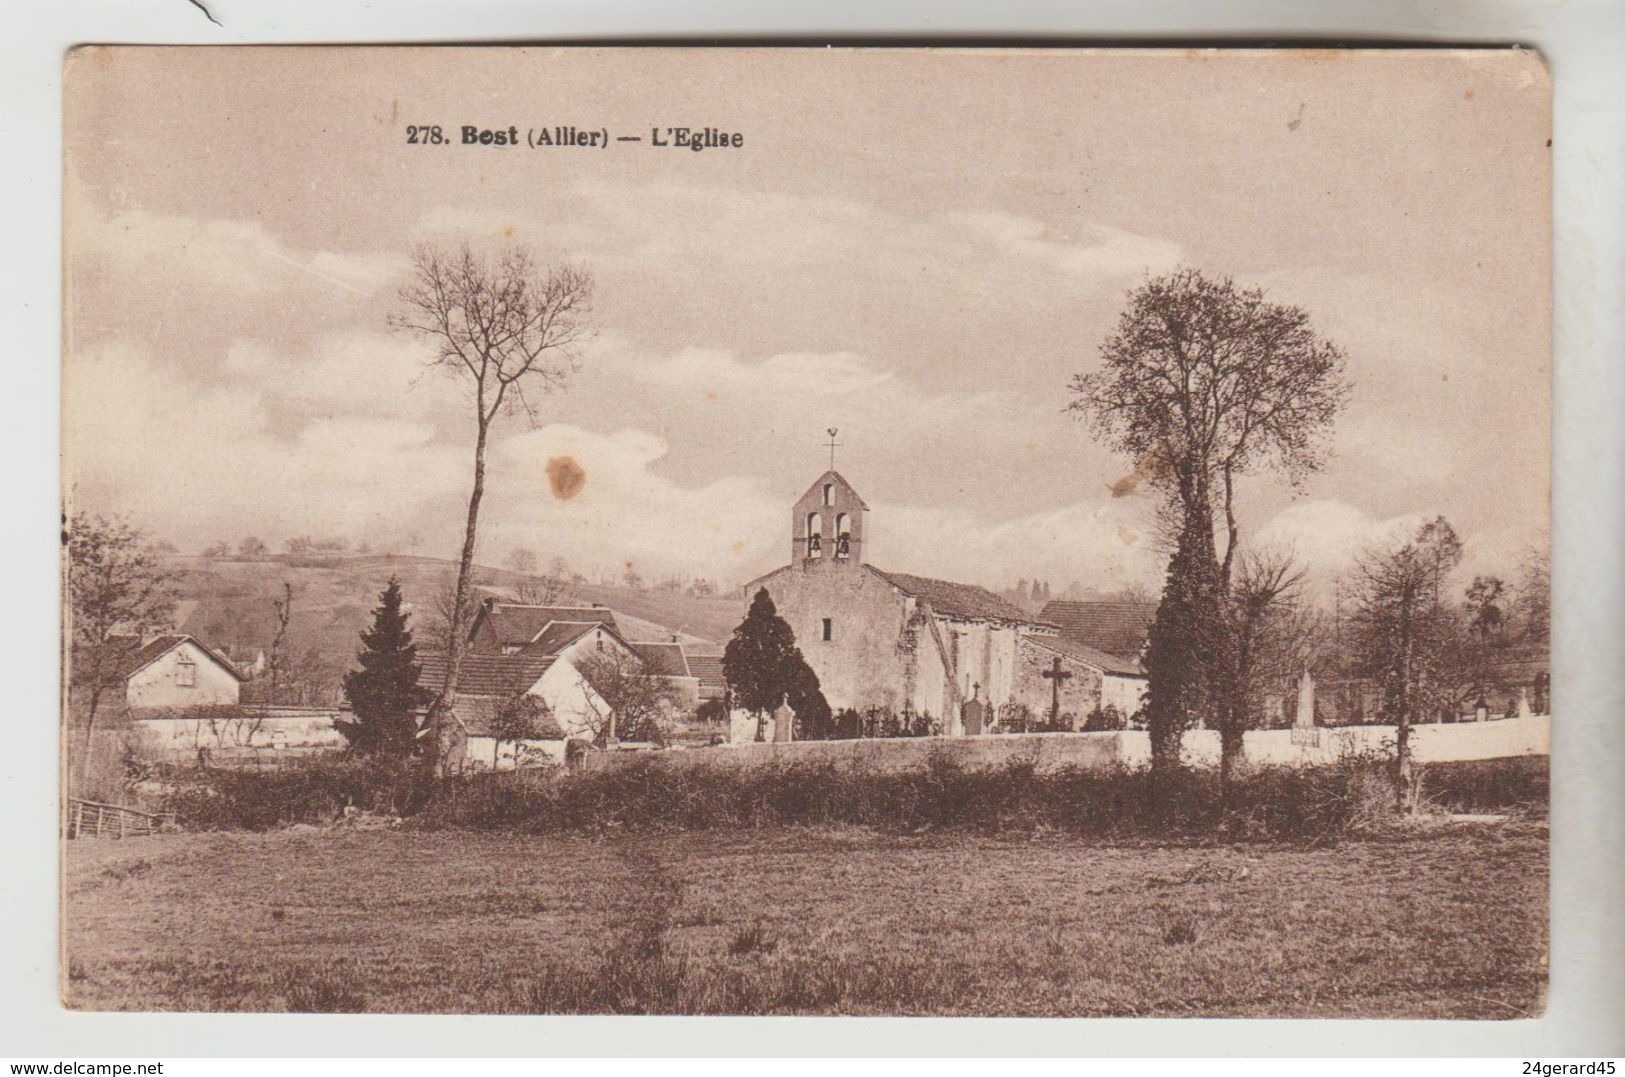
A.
pixel 784 724
pixel 1055 675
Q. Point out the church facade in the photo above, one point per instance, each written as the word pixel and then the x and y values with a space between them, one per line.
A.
pixel 904 642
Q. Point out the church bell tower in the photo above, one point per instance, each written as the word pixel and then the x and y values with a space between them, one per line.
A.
pixel 826 525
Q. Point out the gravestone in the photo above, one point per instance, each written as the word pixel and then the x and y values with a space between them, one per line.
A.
pixel 1304 731
pixel 975 717
pixel 783 724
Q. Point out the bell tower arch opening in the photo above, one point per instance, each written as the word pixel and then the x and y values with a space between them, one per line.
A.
pixel 826 525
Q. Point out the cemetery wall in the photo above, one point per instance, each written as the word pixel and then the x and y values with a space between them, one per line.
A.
pixel 1059 751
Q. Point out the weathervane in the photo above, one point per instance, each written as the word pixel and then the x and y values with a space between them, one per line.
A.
pixel 832 446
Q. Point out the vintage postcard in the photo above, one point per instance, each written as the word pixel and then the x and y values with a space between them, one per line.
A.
pixel 978 532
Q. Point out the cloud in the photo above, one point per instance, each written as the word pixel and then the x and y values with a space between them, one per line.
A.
pixel 1100 251
pixel 353 372
pixel 239 256
pixel 205 462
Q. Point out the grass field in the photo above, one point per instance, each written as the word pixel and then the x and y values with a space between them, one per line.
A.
pixel 1446 922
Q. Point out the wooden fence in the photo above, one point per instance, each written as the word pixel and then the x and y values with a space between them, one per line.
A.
pixel 90 819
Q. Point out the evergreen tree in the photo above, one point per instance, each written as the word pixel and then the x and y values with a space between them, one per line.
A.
pixel 806 698
pixel 1183 645
pixel 384 691
pixel 762 662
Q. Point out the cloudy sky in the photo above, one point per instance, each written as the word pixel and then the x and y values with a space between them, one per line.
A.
pixel 918 249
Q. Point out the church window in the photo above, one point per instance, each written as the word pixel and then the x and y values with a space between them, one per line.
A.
pixel 829 630
pixel 598 644
pixel 815 541
pixel 186 673
pixel 829 493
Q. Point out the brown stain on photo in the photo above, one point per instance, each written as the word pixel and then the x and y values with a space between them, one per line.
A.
pixel 565 476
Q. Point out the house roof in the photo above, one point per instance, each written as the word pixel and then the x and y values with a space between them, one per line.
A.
pixel 477 715
pixel 559 635
pixel 664 659
pixel 957 599
pixel 498 675
pixel 1117 628
pixel 131 656
pixel 708 668
pixel 514 624
pixel 1089 656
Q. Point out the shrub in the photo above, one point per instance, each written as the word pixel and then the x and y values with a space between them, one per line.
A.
pixel 309 791
pixel 1268 803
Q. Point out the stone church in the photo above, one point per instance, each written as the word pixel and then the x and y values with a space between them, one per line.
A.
pixel 899 641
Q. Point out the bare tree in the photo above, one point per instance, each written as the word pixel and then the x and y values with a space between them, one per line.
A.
pixel 282 610
pixel 542 590
pixel 1533 598
pixel 117 585
pixel 626 699
pixel 440 617
pixel 509 331
pixel 522 560
pixel 1262 642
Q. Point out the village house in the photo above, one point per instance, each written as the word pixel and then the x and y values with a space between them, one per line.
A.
pixel 902 642
pixel 169 672
pixel 517 649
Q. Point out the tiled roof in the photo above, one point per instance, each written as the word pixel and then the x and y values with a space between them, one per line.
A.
pixel 498 675
pixel 1090 656
pixel 708 668
pixel 1118 628
pixel 665 659
pixel 559 635
pixel 477 714
pixel 957 599
pixel 515 624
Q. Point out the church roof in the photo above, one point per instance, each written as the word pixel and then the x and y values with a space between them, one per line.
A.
pixel 957 599
pixel 1117 628
pixel 1089 656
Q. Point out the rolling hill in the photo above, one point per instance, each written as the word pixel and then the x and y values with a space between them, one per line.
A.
pixel 228 602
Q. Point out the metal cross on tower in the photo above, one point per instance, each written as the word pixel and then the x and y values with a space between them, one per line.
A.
pixel 1055 675
pixel 833 444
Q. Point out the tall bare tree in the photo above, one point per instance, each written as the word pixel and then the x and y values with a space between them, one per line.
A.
pixel 117 586
pixel 282 610
pixel 1202 382
pixel 1404 632
pixel 1265 641
pixel 510 331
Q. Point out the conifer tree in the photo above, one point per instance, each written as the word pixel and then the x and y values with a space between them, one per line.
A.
pixel 384 692
pixel 762 662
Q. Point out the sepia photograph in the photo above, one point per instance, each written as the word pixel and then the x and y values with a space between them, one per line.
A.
pixel 892 532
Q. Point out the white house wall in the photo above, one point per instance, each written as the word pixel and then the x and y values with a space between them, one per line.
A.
pixel 159 687
pixel 572 701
